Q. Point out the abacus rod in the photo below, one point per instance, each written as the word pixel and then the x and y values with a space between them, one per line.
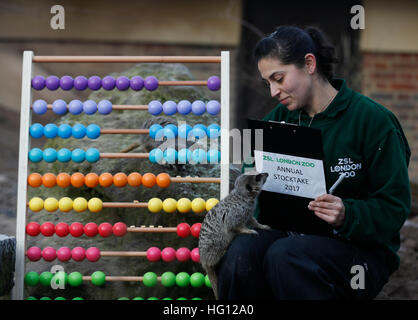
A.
pixel 124 155
pixel 129 59
pixel 124 131
pixel 123 253
pixel 119 278
pixel 195 180
pixel 125 205
pixel 120 107
pixel 150 229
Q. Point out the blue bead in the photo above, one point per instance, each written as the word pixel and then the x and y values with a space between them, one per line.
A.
pixel 65 131
pixel 59 106
pixel 184 107
pixel 158 156
pixel 154 129
pixel 93 131
pixel 198 107
pixel 51 130
pixel 64 155
pixel 151 156
pixel 104 107
pixel 213 131
pixel 35 155
pixel 90 107
pixel 50 155
pixel 36 130
pixel 169 108
pixel 199 156
pixel 183 130
pixel 75 107
pixel 198 131
pixel 166 132
pixel 184 156
pixel 173 128
pixel 92 155
pixel 170 155
pixel 39 106
pixel 213 156
pixel 155 107
pixel 78 155
pixel 79 131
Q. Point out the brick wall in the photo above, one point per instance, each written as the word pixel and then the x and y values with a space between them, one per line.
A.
pixel 391 79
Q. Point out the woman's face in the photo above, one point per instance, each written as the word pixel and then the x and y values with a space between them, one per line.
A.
pixel 288 84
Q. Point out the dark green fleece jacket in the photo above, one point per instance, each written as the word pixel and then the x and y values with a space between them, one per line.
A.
pixel 365 141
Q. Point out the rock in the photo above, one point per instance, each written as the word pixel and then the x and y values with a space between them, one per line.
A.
pixel 7 263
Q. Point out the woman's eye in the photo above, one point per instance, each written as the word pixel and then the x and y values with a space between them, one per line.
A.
pixel 279 80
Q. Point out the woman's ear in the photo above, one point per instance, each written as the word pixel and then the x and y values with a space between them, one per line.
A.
pixel 310 63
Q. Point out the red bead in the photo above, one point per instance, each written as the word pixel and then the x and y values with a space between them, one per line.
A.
pixel 76 229
pixel 49 254
pixel 105 229
pixel 64 254
pixel 119 229
pixel 168 254
pixel 153 254
pixel 183 254
pixel 78 254
pixel 194 255
pixel 34 253
pixel 93 254
pixel 195 229
pixel 62 229
pixel 33 229
pixel 183 230
pixel 91 229
pixel 47 229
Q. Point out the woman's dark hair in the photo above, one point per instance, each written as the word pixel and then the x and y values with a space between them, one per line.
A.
pixel 290 45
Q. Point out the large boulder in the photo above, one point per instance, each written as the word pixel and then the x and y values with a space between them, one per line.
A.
pixel 128 266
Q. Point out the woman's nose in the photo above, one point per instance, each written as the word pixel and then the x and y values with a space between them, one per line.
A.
pixel 274 90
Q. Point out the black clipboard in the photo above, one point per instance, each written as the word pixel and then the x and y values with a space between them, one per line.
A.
pixel 282 211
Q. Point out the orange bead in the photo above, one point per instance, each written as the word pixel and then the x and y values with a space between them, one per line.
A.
pixel 35 180
pixel 134 179
pixel 49 180
pixel 63 180
pixel 91 180
pixel 163 180
pixel 148 180
pixel 120 179
pixel 77 179
pixel 106 179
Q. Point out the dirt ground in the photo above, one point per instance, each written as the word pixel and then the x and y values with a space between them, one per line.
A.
pixel 403 284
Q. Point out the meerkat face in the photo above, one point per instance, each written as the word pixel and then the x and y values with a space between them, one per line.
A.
pixel 250 183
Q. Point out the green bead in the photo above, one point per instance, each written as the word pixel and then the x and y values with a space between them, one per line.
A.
pixel 45 298
pixel 31 278
pixel 123 298
pixel 78 298
pixel 168 298
pixel 75 279
pixel 31 298
pixel 150 279
pixel 45 278
pixel 181 298
pixel 196 298
pixel 60 298
pixel 207 282
pixel 168 279
pixel 59 278
pixel 197 279
pixel 182 279
pixel 98 278
pixel 153 298
pixel 138 298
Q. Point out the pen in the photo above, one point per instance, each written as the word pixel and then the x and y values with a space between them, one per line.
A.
pixel 335 185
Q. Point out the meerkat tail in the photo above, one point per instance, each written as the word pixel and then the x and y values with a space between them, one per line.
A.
pixel 213 278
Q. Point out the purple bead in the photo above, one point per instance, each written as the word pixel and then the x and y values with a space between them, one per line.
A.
pixel 66 83
pixel 151 83
pixel 104 107
pixel 80 83
pixel 213 107
pixel 75 107
pixel 169 107
pixel 137 83
pixel 38 82
pixel 95 83
pixel 108 83
pixel 184 107
pixel 89 107
pixel 198 107
pixel 214 83
pixel 39 106
pixel 52 82
pixel 59 106
pixel 155 107
pixel 122 83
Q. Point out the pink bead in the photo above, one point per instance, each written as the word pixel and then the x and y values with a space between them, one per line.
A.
pixel 34 253
pixel 78 254
pixel 168 254
pixel 183 254
pixel 49 254
pixel 153 254
pixel 93 254
pixel 64 254
pixel 194 254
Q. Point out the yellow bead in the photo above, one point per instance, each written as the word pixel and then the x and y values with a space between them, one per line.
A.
pixel 169 205
pixel 95 205
pixel 36 204
pixel 210 203
pixel 65 204
pixel 51 204
pixel 80 204
pixel 184 205
pixel 198 205
pixel 155 205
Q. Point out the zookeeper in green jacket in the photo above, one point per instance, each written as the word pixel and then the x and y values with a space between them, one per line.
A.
pixel 361 139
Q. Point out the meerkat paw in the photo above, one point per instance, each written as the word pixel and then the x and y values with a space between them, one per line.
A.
pixel 246 230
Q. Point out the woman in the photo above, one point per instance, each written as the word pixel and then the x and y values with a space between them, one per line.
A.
pixel 363 140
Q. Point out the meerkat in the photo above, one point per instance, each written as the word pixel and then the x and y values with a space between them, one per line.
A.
pixel 231 216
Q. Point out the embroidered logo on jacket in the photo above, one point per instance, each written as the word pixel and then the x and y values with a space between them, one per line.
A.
pixel 346 166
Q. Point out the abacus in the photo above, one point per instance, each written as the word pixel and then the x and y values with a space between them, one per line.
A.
pixel 121 179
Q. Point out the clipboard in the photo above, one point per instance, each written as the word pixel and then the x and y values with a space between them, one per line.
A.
pixel 288 212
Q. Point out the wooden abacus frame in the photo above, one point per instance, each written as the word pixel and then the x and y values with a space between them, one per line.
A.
pixel 25 121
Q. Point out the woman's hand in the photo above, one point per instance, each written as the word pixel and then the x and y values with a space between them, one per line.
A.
pixel 329 208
